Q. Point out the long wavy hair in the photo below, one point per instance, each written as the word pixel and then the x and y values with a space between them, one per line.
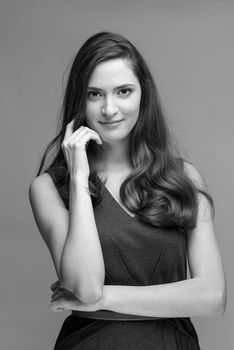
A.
pixel 158 190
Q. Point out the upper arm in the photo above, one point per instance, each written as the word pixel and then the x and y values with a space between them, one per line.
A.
pixel 51 216
pixel 204 257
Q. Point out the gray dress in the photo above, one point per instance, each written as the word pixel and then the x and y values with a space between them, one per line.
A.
pixel 135 254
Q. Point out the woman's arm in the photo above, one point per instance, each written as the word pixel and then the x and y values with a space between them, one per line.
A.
pixel 82 261
pixel 82 265
pixel 203 294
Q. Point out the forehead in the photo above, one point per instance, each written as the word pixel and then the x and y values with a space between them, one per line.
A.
pixel 113 72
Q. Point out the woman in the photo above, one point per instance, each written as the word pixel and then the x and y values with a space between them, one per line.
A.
pixel 121 212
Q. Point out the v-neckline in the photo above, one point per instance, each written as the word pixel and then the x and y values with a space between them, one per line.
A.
pixel 116 202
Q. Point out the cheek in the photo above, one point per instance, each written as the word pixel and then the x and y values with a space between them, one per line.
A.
pixel 92 112
pixel 132 107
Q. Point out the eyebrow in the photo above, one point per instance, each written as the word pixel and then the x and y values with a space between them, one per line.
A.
pixel 118 87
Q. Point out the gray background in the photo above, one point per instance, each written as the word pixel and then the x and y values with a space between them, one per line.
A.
pixel 189 47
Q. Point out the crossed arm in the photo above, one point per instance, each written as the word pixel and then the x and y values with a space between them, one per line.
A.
pixel 204 294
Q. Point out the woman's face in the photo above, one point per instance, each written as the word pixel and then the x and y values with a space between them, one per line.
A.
pixel 113 100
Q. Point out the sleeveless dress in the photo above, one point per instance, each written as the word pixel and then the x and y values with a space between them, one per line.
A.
pixel 135 254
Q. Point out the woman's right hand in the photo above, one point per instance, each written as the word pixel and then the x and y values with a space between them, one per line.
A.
pixel 74 148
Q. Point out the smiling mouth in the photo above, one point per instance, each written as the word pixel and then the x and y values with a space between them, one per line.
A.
pixel 112 122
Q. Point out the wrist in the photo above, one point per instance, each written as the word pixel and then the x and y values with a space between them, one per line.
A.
pixel 105 300
pixel 76 181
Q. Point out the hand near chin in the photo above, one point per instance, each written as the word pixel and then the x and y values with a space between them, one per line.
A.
pixel 63 300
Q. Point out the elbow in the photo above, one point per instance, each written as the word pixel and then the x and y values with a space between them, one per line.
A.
pixel 86 295
pixel 221 302
pixel 218 303
pixel 93 295
pixel 212 298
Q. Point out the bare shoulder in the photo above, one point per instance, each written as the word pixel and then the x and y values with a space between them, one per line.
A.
pixel 39 187
pixel 43 187
pixel 41 181
pixel 194 173
pixel 47 205
pixel 205 213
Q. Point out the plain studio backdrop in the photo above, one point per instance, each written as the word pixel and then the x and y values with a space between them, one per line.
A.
pixel 189 48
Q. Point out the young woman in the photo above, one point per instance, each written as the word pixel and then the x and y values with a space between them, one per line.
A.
pixel 122 213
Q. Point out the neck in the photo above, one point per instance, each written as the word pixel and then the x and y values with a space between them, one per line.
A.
pixel 115 157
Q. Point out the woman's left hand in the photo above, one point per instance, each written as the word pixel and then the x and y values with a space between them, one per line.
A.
pixel 63 300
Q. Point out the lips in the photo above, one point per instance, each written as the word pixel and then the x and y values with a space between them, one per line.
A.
pixel 112 122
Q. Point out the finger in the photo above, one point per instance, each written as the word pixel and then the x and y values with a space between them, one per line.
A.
pixel 94 136
pixel 68 140
pixel 98 137
pixel 86 135
pixel 54 285
pixel 54 294
pixel 69 129
pixel 57 295
pixel 58 291
pixel 56 307
pixel 84 130
pixel 81 130
pixel 61 303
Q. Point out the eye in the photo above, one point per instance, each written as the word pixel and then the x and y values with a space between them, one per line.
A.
pixel 94 95
pixel 125 92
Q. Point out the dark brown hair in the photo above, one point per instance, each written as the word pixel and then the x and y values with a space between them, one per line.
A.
pixel 158 190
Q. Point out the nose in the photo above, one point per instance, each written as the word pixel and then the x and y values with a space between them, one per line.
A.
pixel 110 108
